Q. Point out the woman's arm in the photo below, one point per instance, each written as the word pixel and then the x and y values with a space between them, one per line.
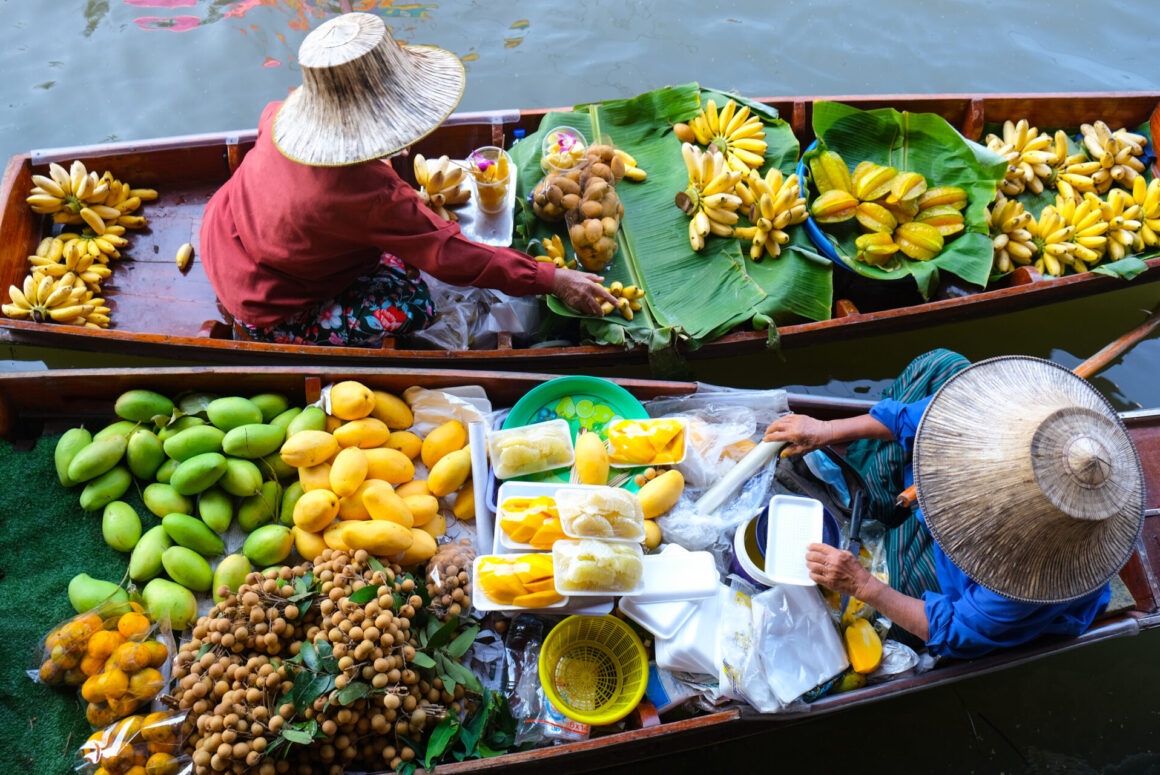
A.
pixel 840 571
pixel 805 434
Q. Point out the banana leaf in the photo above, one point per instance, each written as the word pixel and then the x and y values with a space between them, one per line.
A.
pixel 923 143
pixel 691 297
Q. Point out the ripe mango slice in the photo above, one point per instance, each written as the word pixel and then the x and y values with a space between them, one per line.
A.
pixel 538 599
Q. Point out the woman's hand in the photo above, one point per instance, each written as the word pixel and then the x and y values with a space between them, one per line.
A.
pixel 801 432
pixel 581 291
pixel 837 569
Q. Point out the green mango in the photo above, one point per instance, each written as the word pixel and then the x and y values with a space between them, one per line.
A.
pixel 144 453
pixel 166 600
pixel 268 545
pixel 270 404
pixel 312 418
pixel 118 428
pixel 290 497
pixel 241 478
pixel 86 593
pixel 165 473
pixel 120 526
pixel 97 458
pixel 232 411
pixel 282 420
pixel 187 568
pixel 216 508
pixel 71 442
pixel 230 572
pixel 275 467
pixel 143 406
pixel 162 499
pixel 257 510
pixel 198 472
pixel 192 533
pixel 106 488
pixel 194 441
pixel 145 561
pixel 253 440
pixel 168 431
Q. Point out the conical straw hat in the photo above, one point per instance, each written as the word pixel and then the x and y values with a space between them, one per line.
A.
pixel 363 96
pixel 1028 480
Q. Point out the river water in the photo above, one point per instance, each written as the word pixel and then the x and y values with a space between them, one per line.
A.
pixel 87 71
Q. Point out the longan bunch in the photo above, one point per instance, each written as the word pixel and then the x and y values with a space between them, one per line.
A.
pixel 448 584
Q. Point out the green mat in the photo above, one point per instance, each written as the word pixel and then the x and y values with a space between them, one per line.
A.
pixel 47 539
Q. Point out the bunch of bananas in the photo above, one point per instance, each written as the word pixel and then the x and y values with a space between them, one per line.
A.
pixel 631 169
pixel 1012 241
pixel 77 196
pixel 554 253
pixel 65 299
pixel 709 199
pixel 1052 234
pixel 1089 229
pixel 738 135
pixel 1031 156
pixel 1117 152
pixel 775 203
pixel 627 300
pixel 1147 196
pixel 1122 215
pixel 896 209
pixel 440 185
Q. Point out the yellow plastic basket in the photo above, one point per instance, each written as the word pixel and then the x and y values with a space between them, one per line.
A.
pixel 593 668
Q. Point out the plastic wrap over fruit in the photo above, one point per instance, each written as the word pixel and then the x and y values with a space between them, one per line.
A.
pixel 530 449
pixel 594 566
pixel 601 512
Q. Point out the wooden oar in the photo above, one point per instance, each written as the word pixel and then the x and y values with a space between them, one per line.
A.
pixel 1091 366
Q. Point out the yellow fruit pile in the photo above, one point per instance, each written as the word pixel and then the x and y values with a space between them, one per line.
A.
pixel 532 521
pixel 775 203
pixel 526 581
pixel 554 253
pixel 736 134
pixel 148 744
pixel 647 442
pixel 440 185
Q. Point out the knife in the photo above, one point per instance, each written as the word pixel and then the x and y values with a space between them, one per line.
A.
pixel 854 542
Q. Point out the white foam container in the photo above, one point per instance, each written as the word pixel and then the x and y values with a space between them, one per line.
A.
pixel 693 649
pixel 684 433
pixel 558 427
pixel 589 606
pixel 672 576
pixel 514 489
pixel 557 565
pixel 794 523
pixel 481 602
pixel 569 500
pixel 662 618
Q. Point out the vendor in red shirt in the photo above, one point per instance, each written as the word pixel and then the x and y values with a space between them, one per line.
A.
pixel 315 239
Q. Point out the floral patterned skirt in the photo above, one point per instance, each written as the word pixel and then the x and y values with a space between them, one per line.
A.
pixel 384 303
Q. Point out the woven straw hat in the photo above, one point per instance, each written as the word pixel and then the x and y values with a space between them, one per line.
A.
pixel 363 96
pixel 1028 480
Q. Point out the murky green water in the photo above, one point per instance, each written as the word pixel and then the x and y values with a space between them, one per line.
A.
pixel 86 71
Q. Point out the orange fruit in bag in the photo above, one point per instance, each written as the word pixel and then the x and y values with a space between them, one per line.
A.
pixel 133 626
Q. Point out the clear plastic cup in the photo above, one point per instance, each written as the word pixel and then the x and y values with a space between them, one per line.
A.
pixel 490 169
pixel 564 147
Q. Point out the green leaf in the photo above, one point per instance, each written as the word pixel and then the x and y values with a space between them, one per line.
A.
pixel 407 768
pixel 422 660
pixel 205 647
pixel 463 675
pixel 308 687
pixel 443 635
pixel 296 736
pixel 374 564
pixel 309 655
pixel 443 735
pixel 351 692
pixel 365 594
pixel 919 142
pixel 1125 268
pixel 458 647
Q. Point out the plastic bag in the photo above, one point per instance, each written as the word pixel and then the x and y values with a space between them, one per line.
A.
pixel 538 721
pixel 717 439
pixel 684 524
pixel 149 743
pixel 470 318
pixel 116 653
pixel 449 578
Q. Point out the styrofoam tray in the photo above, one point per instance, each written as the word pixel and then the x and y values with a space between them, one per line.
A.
pixel 604 592
pixel 675 576
pixel 794 523
pixel 662 619
pixel 684 441
pixel 482 602
pixel 517 489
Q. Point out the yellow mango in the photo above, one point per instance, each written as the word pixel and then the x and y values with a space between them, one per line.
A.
pixel 315 510
pixel 591 459
pixel 378 537
pixel 383 503
pixel 406 442
pixel 449 472
pixel 464 506
pixel 423 508
pixel 541 585
pixel 390 465
pixel 332 536
pixel 366 432
pixel 421 549
pixel 333 423
pixel 413 487
pixel 652 534
pixel 540 599
pixel 351 400
pixel 863 646
pixel 447 438
pixel 308 544
pixel 435 527
pixel 308 448
pixel 661 494
pixel 392 410
pixel 547 534
pixel 517 530
pixel 315 477
pixel 352 506
pixel 348 471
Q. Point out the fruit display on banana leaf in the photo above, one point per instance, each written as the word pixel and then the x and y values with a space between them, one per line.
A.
pixel 1069 206
pixel 66 271
pixel 900 194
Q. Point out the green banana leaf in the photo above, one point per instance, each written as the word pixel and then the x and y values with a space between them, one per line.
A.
pixel 923 143
pixel 691 297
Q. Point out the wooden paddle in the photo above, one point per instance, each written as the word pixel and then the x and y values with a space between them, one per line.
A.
pixel 1085 370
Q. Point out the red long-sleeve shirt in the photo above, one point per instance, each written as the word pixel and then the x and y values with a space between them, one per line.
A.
pixel 280 235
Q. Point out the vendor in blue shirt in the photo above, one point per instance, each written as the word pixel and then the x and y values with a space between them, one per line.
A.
pixel 1006 574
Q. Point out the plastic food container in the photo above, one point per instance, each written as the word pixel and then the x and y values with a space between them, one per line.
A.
pixel 523 490
pixel 530 449
pixel 683 577
pixel 591 567
pixel 601 512
pixel 794 523
pixel 481 602
pixel 638 443
pixel 564 147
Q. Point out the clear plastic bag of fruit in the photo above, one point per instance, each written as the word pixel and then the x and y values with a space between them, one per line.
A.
pixel 449 578
pixel 149 743
pixel 116 654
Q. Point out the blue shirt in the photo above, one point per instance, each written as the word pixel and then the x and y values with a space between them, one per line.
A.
pixel 966 620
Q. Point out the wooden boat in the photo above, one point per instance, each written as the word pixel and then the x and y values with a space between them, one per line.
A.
pixel 164 313
pixel 33 403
